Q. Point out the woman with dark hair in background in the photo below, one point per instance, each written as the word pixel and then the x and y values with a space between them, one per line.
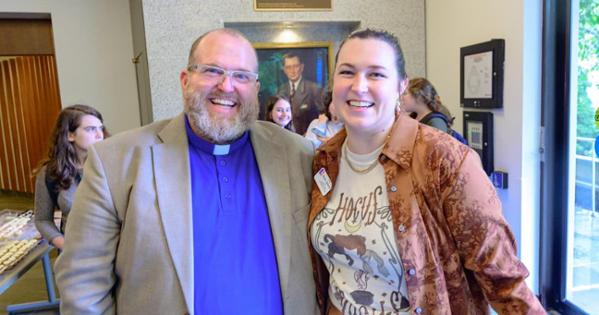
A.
pixel 326 125
pixel 278 111
pixel 422 101
pixel 57 176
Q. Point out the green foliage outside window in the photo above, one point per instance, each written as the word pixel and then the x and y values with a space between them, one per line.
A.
pixel 588 74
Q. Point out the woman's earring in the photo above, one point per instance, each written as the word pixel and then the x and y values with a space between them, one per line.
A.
pixel 397 108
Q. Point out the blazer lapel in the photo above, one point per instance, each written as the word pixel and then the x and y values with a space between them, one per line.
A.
pixel 272 163
pixel 173 186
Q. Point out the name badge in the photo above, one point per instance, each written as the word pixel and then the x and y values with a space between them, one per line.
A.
pixel 323 181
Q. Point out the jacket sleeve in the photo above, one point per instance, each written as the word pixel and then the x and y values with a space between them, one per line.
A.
pixel 84 270
pixel 44 208
pixel 484 240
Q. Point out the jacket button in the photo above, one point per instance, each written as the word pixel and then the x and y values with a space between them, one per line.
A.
pixel 402 228
pixel 393 188
pixel 418 310
pixel 412 272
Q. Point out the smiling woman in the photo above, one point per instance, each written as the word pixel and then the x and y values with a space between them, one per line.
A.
pixel 390 178
pixel 279 112
pixel 365 92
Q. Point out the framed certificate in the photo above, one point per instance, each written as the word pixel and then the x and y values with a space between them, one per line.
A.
pixel 481 74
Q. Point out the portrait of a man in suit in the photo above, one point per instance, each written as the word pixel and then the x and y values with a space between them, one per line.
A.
pixel 305 95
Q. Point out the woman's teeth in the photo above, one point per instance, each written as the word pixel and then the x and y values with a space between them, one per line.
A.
pixel 360 103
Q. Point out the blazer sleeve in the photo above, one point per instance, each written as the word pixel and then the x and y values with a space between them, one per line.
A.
pixel 484 240
pixel 85 269
pixel 43 208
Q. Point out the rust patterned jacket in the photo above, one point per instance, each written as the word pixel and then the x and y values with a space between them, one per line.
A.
pixel 457 250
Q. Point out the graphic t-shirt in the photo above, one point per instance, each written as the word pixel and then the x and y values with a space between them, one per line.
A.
pixel 354 236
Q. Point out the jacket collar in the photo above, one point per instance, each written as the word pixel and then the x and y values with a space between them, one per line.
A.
pixel 399 147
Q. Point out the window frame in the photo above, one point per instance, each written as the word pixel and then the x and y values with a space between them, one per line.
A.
pixel 555 123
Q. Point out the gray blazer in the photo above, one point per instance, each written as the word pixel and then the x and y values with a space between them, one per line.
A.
pixel 128 246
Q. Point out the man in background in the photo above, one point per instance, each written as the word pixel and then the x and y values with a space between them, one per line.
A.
pixel 305 95
pixel 204 213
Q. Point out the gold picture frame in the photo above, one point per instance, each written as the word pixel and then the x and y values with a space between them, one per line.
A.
pixel 317 57
pixel 297 5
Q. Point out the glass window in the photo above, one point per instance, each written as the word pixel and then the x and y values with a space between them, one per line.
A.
pixel 582 246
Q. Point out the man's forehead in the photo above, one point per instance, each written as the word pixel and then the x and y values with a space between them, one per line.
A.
pixel 291 60
pixel 222 46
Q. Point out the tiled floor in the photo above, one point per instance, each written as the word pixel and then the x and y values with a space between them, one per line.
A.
pixel 31 287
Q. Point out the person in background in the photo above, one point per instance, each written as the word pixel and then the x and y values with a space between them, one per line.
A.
pixel 403 220
pixel 424 104
pixel 326 125
pixel 204 213
pixel 278 111
pixel 305 96
pixel 58 174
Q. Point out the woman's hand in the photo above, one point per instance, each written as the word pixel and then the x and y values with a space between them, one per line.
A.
pixel 322 119
pixel 58 242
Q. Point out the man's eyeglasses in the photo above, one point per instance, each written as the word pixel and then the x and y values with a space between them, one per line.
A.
pixel 218 73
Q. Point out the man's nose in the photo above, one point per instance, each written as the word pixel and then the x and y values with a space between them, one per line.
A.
pixel 226 83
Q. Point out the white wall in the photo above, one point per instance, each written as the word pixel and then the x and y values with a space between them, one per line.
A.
pixel 93 49
pixel 451 25
pixel 171 27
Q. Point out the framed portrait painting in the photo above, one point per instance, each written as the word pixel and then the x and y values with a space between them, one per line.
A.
pixel 311 61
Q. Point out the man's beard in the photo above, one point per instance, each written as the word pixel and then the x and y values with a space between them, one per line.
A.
pixel 219 130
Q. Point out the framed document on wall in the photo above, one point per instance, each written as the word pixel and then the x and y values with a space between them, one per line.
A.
pixel 481 74
pixel 293 5
pixel 478 130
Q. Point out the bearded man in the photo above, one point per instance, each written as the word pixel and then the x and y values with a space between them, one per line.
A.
pixel 204 213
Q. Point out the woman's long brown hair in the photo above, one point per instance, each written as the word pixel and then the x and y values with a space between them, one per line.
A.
pixel 62 162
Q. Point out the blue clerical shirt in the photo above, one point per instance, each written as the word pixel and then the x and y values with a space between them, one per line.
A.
pixel 235 266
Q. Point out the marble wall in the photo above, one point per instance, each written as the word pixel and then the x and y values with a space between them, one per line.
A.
pixel 171 27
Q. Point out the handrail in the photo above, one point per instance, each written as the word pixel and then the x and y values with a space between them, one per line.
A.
pixel 593 159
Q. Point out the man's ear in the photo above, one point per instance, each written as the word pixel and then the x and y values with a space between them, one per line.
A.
pixel 184 79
